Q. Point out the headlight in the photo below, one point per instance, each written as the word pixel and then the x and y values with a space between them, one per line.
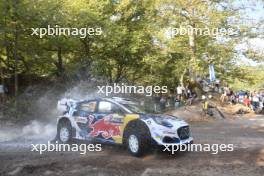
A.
pixel 162 122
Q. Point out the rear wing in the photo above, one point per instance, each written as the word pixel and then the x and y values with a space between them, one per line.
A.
pixel 65 104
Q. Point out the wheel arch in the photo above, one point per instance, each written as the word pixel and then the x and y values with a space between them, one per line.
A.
pixel 64 119
pixel 137 123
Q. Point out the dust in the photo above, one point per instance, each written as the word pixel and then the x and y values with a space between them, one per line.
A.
pixel 39 130
pixel 82 91
pixel 7 134
pixel 39 117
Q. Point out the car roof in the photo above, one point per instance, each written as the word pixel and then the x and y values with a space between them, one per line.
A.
pixel 120 100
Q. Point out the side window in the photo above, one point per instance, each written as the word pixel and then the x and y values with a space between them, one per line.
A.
pixel 108 107
pixel 86 108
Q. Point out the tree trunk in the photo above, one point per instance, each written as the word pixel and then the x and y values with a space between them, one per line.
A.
pixel 16 69
pixel 59 63
pixel 182 77
pixel 192 45
pixel 87 48
pixel 2 83
pixel 16 63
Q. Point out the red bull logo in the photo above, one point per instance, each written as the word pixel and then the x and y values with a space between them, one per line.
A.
pixel 104 127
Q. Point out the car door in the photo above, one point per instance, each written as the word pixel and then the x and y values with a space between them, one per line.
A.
pixel 107 122
pixel 82 117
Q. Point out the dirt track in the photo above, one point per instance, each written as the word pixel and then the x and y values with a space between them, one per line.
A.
pixel 247 158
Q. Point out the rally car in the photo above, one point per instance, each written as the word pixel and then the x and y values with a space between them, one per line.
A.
pixel 119 121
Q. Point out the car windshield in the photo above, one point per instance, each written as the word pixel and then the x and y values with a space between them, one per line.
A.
pixel 135 108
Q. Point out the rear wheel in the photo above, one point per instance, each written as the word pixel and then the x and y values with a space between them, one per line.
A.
pixel 64 132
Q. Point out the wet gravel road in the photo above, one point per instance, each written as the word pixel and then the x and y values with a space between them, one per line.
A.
pixel 247 135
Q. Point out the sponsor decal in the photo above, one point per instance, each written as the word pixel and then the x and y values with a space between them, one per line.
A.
pixel 104 127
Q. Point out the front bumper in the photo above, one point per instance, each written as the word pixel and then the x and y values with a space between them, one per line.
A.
pixel 172 136
pixel 176 142
pixel 171 140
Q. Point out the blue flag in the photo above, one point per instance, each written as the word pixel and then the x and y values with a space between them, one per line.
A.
pixel 212 72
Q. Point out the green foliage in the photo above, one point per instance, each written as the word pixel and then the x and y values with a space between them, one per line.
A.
pixel 135 45
pixel 254 79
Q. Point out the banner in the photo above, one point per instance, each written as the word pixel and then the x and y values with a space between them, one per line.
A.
pixel 212 72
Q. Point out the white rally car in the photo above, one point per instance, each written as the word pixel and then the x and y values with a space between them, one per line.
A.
pixel 119 121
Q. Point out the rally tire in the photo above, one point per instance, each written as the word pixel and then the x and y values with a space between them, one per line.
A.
pixel 138 139
pixel 64 132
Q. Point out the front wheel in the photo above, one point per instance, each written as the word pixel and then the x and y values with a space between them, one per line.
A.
pixel 133 144
pixel 137 138
pixel 137 144
pixel 64 132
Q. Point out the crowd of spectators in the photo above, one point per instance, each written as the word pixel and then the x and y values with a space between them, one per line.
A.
pixel 252 99
pixel 184 95
pixel 180 96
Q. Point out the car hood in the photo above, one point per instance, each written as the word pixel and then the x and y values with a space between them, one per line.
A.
pixel 168 118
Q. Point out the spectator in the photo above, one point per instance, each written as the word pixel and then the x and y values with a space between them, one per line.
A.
pixel 217 86
pixel 232 97
pixel 162 103
pixel 261 102
pixel 225 94
pixel 180 91
pixel 246 101
pixel 171 100
pixel 156 103
pixel 191 98
pixel 255 101
pixel 177 101
pixel 188 93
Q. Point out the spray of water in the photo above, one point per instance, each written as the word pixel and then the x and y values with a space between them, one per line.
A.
pixel 42 126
